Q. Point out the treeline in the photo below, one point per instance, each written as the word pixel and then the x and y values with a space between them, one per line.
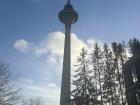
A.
pixel 99 75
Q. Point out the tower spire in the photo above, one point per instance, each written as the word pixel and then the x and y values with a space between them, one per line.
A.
pixel 69 2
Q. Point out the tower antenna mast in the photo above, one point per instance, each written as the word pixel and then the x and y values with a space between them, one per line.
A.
pixel 69 1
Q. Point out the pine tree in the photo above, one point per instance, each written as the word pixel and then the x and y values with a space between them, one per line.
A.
pixel 82 80
pixel 134 45
pixel 119 57
pixel 109 85
pixel 97 64
pixel 99 76
pixel 123 58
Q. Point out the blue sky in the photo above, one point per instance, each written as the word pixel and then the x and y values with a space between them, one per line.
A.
pixel 31 38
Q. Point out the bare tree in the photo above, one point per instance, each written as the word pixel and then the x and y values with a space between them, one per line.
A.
pixel 9 93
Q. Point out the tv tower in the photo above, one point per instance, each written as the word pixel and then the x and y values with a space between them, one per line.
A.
pixel 67 16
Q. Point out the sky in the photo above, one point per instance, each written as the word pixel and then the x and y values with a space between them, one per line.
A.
pixel 32 37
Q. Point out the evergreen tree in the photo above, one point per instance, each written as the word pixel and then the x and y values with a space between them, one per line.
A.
pixel 97 73
pixel 82 80
pixel 134 45
pixel 119 58
pixel 99 76
pixel 109 78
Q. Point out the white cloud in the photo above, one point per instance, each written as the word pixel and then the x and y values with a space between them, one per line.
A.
pixel 41 51
pixel 21 45
pixel 55 43
pixel 52 44
pixel 77 45
pixel 52 47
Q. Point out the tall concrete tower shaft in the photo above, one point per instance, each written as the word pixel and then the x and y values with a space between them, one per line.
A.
pixel 67 16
